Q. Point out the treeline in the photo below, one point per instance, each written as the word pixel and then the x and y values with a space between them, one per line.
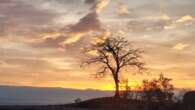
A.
pixel 159 93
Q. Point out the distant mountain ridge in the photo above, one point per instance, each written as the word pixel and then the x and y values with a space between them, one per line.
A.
pixel 21 95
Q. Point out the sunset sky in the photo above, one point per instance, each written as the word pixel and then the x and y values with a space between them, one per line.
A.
pixel 41 40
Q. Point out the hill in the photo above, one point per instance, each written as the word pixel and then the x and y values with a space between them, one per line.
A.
pixel 109 103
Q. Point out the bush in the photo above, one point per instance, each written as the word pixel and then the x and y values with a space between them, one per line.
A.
pixel 158 90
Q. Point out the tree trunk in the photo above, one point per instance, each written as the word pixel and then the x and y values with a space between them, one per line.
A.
pixel 116 87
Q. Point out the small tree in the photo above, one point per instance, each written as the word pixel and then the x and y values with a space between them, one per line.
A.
pixel 126 89
pixel 114 54
pixel 158 90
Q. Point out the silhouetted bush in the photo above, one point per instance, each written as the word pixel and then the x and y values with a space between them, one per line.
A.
pixel 189 100
pixel 158 90
pixel 77 100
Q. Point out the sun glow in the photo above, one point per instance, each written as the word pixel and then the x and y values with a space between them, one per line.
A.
pixel 108 87
pixel 131 86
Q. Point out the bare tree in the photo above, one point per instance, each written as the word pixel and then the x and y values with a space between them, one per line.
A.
pixel 159 90
pixel 114 54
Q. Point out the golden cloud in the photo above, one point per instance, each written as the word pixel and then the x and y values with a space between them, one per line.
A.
pixel 122 9
pixel 165 17
pixel 51 35
pixel 74 37
pixel 185 19
pixel 100 5
pixel 93 53
pixel 101 38
pixel 180 46
pixel 172 26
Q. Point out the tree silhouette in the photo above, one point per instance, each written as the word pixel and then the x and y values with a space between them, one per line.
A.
pixel 114 54
pixel 158 90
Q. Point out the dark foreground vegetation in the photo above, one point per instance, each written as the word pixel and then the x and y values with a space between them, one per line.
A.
pixel 111 103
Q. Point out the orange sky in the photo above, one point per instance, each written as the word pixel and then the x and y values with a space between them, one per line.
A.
pixel 41 40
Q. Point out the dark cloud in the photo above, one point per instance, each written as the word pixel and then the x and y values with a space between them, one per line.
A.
pixel 90 1
pixel 50 42
pixel 67 1
pixel 90 22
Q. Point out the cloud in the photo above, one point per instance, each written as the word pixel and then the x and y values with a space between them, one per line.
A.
pixel 171 26
pixel 100 5
pixel 122 9
pixel 21 12
pixel 32 22
pixel 49 42
pixel 180 46
pixel 148 25
pixel 74 38
pixel 90 1
pixel 92 16
pixel 185 19
pixel 74 32
pixel 100 38
pixel 88 23
pixel 92 53
pixel 5 1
